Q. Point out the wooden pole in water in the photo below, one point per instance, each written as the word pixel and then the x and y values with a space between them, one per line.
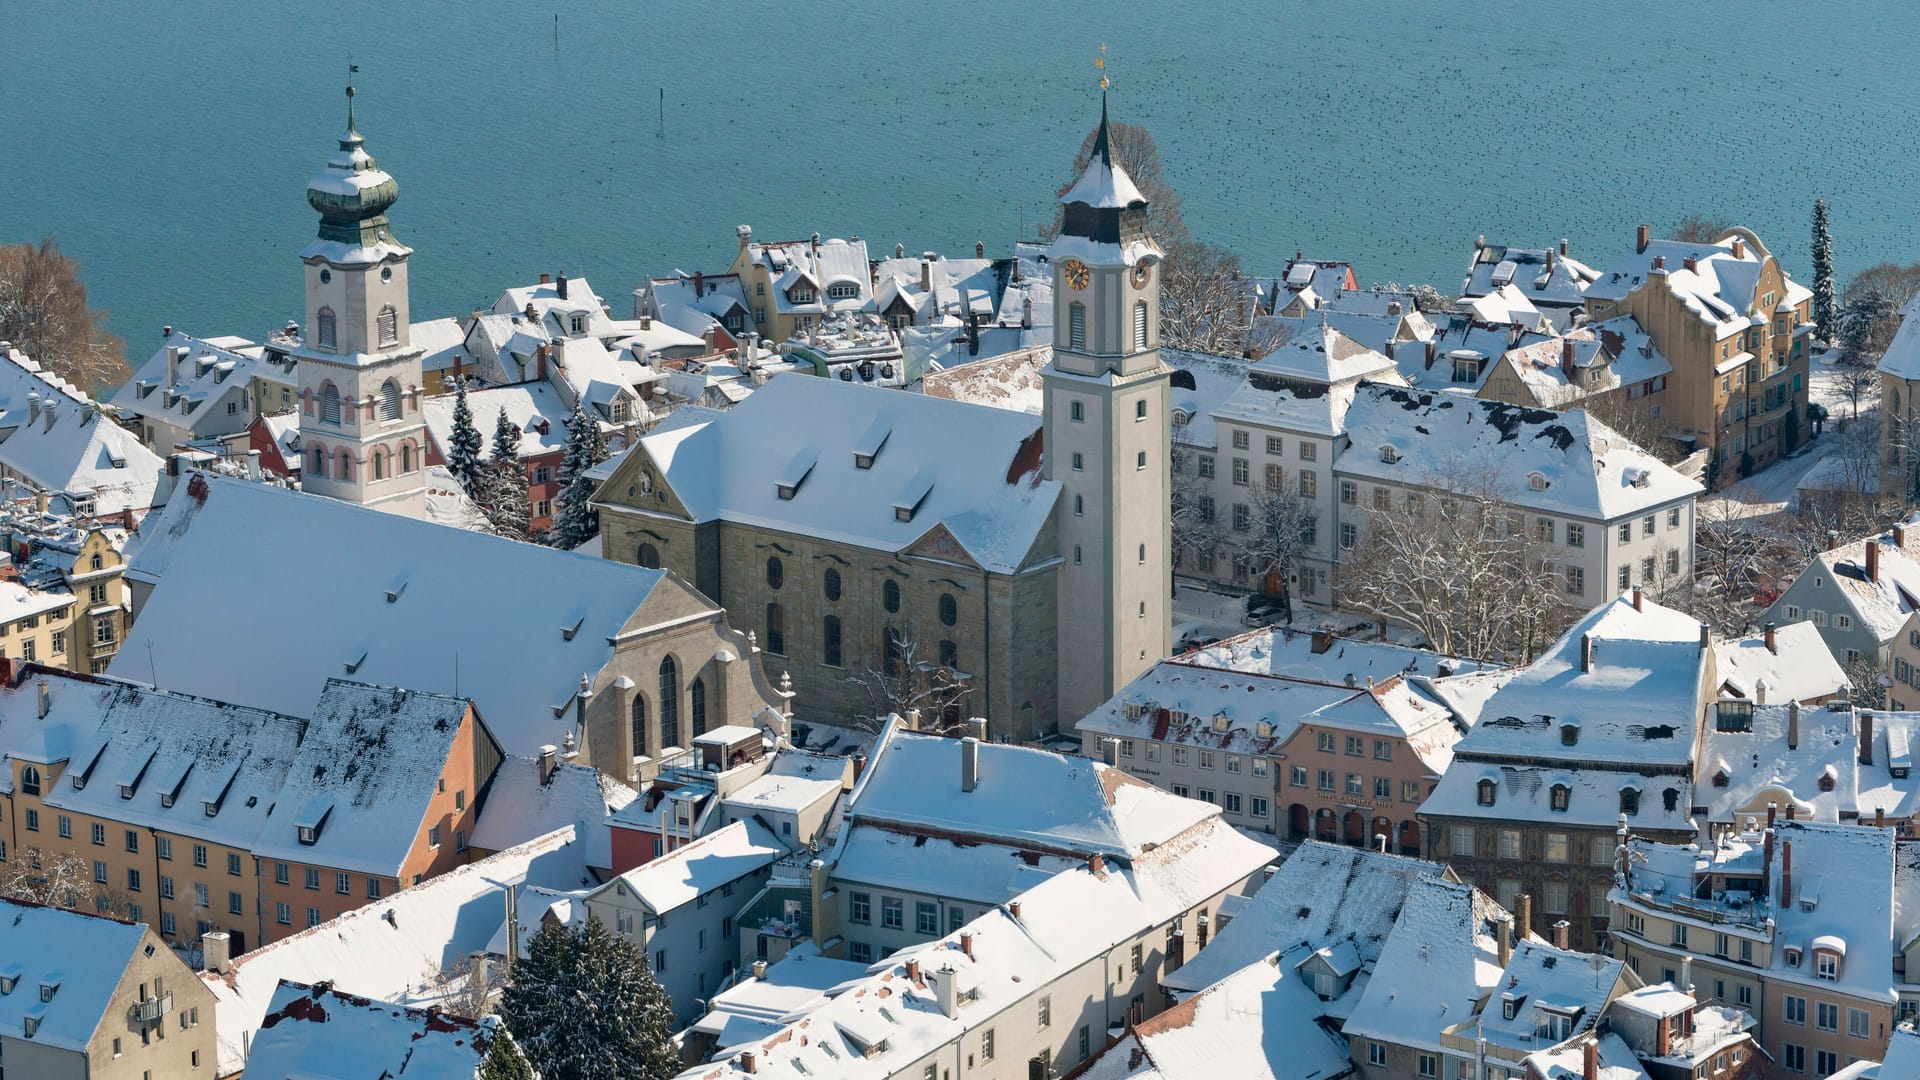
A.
pixel 661 132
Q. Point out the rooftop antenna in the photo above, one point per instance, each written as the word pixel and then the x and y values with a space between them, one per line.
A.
pixel 153 671
pixel 456 672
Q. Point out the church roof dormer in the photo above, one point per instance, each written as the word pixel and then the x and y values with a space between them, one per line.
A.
pixel 352 195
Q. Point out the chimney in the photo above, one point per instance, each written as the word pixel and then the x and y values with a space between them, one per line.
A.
pixel 1866 737
pixel 1393 308
pixel 1833 539
pixel 1201 929
pixel 1566 358
pixel 1766 851
pixel 213 952
pixel 1523 918
pixel 913 970
pixel 760 968
pixel 548 754
pixel 1110 753
pixel 1706 637
pixel 899 251
pixel 540 363
pixel 977 727
pixel 1640 238
pixel 1793 726
pixel 1760 692
pixel 1739 248
pixel 33 397
pixel 46 699
pixel 166 332
pixel 176 355
pixel 926 271
pixel 1586 653
pixel 1900 535
pixel 1786 872
pixel 1176 949
pixel 1590 1053
pixel 1549 262
pixel 979 249
pixel 646 322
pixel 1636 598
pixel 946 991
pixel 1692 264
pixel 966 943
pixel 1563 247
pixel 1873 558
pixel 969 763
pixel 1660 264
pixel 699 283
pixel 1879 817
pixel 1429 354
pixel 1772 646
pixel 745 235
pixel 912 719
pixel 1503 937
pixel 1686 974
pixel 560 285
pixel 1560 928
pixel 1013 909
pixel 749 1062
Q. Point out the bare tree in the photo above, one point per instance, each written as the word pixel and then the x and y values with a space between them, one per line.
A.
pixel 462 988
pixel 1867 677
pixel 1634 420
pixel 44 312
pixel 907 679
pixel 1857 380
pixel 1699 229
pixel 1900 423
pixel 1427 298
pixel 1457 564
pixel 59 879
pixel 1280 529
pixel 1732 563
pixel 1196 527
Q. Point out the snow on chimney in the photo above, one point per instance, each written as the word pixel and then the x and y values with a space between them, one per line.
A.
pixel 979 249
pixel 966 943
pixel 1739 248
pixel 1563 247
pixel 548 754
pixel 546 279
pixel 1866 737
pixel 913 970
pixel 1772 646
pixel 1640 237
pixel 1873 558
pixel 1900 535
pixel 1833 539
pixel 1560 928
pixel 745 235
pixel 1013 909
pixel 750 1062
pixel 1660 264
pixel 214 955
pixel 1692 264
pixel 760 968
pixel 969 763
pixel 1503 937
pixel 1590 1053
pixel 1636 598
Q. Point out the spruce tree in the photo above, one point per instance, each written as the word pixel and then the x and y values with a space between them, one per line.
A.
pixel 573 522
pixel 500 487
pixel 584 1005
pixel 504 1061
pixel 463 451
pixel 1825 312
pixel 506 438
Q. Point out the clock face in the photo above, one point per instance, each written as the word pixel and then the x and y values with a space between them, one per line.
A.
pixel 1075 272
pixel 1142 273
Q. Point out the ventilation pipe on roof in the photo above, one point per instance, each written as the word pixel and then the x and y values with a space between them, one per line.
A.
pixel 1641 236
pixel 1706 636
pixel 33 397
pixel 969 763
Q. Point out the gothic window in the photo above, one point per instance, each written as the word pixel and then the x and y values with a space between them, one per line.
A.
pixel 776 630
pixel 329 404
pixel 319 466
pixel 669 699
pixel 648 556
pixel 389 326
pixel 1140 326
pixel 890 595
pixel 697 700
pixel 346 465
pixel 390 400
pixel 639 725
pixel 830 641
pixel 1077 327
pixel 323 328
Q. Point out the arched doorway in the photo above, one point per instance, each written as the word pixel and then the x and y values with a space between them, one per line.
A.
pixel 1299 824
pixel 1326 827
pixel 1355 829
pixel 1409 838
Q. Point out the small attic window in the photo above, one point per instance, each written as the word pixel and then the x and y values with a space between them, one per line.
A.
pixel 1827 779
pixel 1220 722
pixel 49 987
pixel 1486 792
pixel 863 461
pixel 1180 417
pixel 1536 482
pixel 1263 729
pixel 1561 796
pixel 1389 454
pixel 1569 734
pixel 29 1025
pixel 1721 779
pixel 7 983
pixel 1629 801
pixel 1133 710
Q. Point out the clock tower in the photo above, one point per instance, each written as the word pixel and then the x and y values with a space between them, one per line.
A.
pixel 1106 420
pixel 362 438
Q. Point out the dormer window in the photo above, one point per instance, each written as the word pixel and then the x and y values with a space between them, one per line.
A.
pixel 1133 710
pixel 1826 965
pixel 1510 1005
pixel 1485 789
pixel 1793 956
pixel 7 983
pixel 48 988
pixel 1560 797
pixel 1536 482
pixel 1733 716
pixel 843 290
pixel 1721 779
pixel 1629 801
pixel 308 834
pixel 801 294
pixel 1389 454
pixel 1569 734
pixel 1220 722
pixel 579 324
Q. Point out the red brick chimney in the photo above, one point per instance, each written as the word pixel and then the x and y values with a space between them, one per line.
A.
pixel 1566 358
pixel 1766 849
pixel 1692 264
pixel 1771 647
pixel 1523 918
pixel 546 279
pixel 1739 248
pixel 1866 737
pixel 1660 263
pixel 1560 933
pixel 1873 558
pixel 913 971
pixel 540 360
pixel 1900 535
pixel 1833 539
pixel 749 1062
pixel 1640 238
pixel 966 943
pixel 1636 598
pixel 1786 870
pixel 1590 1055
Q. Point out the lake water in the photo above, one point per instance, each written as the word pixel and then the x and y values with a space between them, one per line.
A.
pixel 167 144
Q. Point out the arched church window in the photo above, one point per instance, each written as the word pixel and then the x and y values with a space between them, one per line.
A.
pixel 319 466
pixel 669 699
pixel 697 700
pixel 390 400
pixel 329 404
pixel 389 326
pixel 406 457
pixel 346 465
pixel 639 725
pixel 379 464
pixel 323 330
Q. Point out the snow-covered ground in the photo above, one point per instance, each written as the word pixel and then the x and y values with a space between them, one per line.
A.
pixel 1200 612
pixel 1773 488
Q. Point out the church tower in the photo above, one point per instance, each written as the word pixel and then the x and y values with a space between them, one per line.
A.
pixel 362 438
pixel 1107 437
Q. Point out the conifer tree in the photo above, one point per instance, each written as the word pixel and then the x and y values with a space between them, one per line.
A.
pixel 504 1061
pixel 584 1005
pixel 573 522
pixel 506 438
pixel 500 487
pixel 463 451
pixel 1825 312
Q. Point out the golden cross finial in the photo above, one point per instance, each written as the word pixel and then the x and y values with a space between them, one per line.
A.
pixel 1100 64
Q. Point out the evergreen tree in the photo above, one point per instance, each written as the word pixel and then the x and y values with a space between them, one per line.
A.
pixel 1825 313
pixel 500 487
pixel 463 451
pixel 506 438
pixel 584 1005
pixel 573 522
pixel 504 1061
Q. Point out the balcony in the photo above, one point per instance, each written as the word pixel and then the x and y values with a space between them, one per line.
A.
pixel 151 1010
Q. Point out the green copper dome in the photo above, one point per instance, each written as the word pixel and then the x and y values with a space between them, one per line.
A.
pixel 352 193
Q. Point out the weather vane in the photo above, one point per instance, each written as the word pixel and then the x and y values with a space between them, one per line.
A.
pixel 1100 64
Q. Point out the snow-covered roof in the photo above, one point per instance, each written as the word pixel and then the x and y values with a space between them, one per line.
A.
pixel 316 1031
pixel 1539 976
pixel 1883 602
pixel 692 870
pixel 395 589
pixel 1544 274
pixel 401 950
pixel 585 370
pixel 529 407
pixel 1322 656
pixel 1259 1023
pixel 1023 797
pixel 1323 895
pixel 207 372
pixel 1200 383
pixel 154 758
pixel 1439 958
pixel 52 436
pixel 1559 462
pixel 1902 1057
pixel 874 1026
pixel 1614 1058
pixel 1799 667
pixel 80 957
pixel 1010 381
pixel 801 436
pixel 1817 776
pixel 821 264
pixel 1720 289
pixel 1506 305
pixel 518 807
pixel 756 1008
pixel 695 305
pixel 445 342
pixel 364 777
pixel 549 306
pixel 1430 363
pixel 1324 356
pixel 1104 184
